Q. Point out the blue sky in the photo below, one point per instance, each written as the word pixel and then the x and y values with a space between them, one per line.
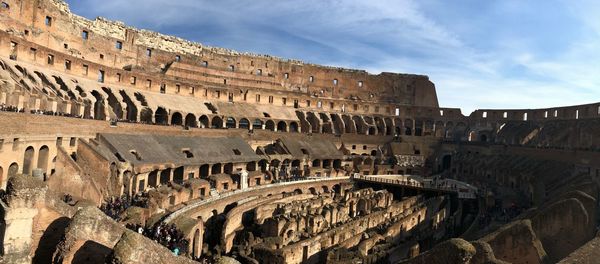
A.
pixel 480 54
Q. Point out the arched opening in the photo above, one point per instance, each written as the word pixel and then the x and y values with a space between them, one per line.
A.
pixel 270 125
pixel 314 122
pixel 446 162
pixel 152 178
pixel 312 190
pixel 326 124
pixel 131 109
pixel 190 120
pixel 251 166
pixel 204 121
pixel 165 176
pixel 114 103
pixel 380 126
pixel 349 124
pixel 408 127
pixel 439 129
pixel 228 168
pixel 263 165
pixel 338 125
pixel 360 125
pixel 316 163
pixel 418 128
pixel 282 126
pixel 294 127
pixel 483 138
pixel 99 113
pixel 337 164
pixel 177 119
pixel 244 123
pixel 161 117
pixel 217 122
pixel 257 124
pixel 13 169
pixel 216 168
pixel 178 175
pixel 389 127
pixel 28 160
pixel 204 171
pixel 146 115
pixel 372 131
pixel 472 136
pixel 230 123
pixel 327 164
pixel 43 156
pixel 304 125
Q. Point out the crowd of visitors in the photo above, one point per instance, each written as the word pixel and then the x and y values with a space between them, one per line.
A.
pixel 115 206
pixel 167 235
pixel 10 108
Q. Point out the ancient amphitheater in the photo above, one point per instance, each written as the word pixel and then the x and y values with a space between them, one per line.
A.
pixel 119 145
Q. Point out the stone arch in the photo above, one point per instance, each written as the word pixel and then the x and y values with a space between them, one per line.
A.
pixel 165 176
pixel 349 125
pixel 439 129
pixel 177 119
pixel 294 127
pixel 263 165
pixel 244 123
pixel 178 175
pixel 99 110
pixel 418 131
pixel 28 160
pixel 146 115
pixel 257 124
pixel 282 126
pixel 316 163
pixel 228 168
pixel 114 103
pixel 270 125
pixel 13 169
pixel 371 131
pixel 337 164
pixel 327 126
pixel 131 109
pixel 204 169
pixel 217 122
pixel 380 126
pixel 428 127
pixel 408 127
pixel 360 125
pixel 153 178
pixel 449 130
pixel 230 122
pixel 338 124
pixel 398 127
pixel 216 168
pixel 204 123
pixel 161 117
pixel 304 124
pixel 190 120
pixel 43 156
pixel 389 126
pixel 314 121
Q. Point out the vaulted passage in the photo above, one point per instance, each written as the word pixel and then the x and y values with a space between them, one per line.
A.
pixel 131 109
pixel 177 119
pixel 161 117
pixel 28 160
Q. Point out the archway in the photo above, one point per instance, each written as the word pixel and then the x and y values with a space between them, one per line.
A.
pixel 380 126
pixel 315 124
pixel 230 123
pixel 282 126
pixel 257 124
pixel 28 160
pixel 294 127
pixel 204 121
pixel 43 156
pixel 349 124
pixel 152 178
pixel 13 169
pixel 360 125
pixel 244 123
pixel 204 171
pixel 146 115
pixel 408 127
pixel 161 117
pixel 99 113
pixel 338 125
pixel 217 122
pixel 270 125
pixel 389 127
pixel 228 168
pixel 177 119
pixel 190 120
pixel 165 176
pixel 316 163
pixel 216 168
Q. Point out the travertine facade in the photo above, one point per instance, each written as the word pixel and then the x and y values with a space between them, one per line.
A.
pixel 262 159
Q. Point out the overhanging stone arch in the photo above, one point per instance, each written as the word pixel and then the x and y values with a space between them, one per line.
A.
pixel 338 124
pixel 270 125
pixel 231 123
pixel 349 125
pixel 380 126
pixel 327 126
pixel 146 115
pixel 244 123
pixel 114 103
pixel 131 109
pixel 99 109
pixel 361 126
pixel 314 121
pixel 389 126
pixel 257 124
pixel 304 124
pixel 294 127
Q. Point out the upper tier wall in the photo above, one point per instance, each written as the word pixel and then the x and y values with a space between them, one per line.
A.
pixel 112 46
